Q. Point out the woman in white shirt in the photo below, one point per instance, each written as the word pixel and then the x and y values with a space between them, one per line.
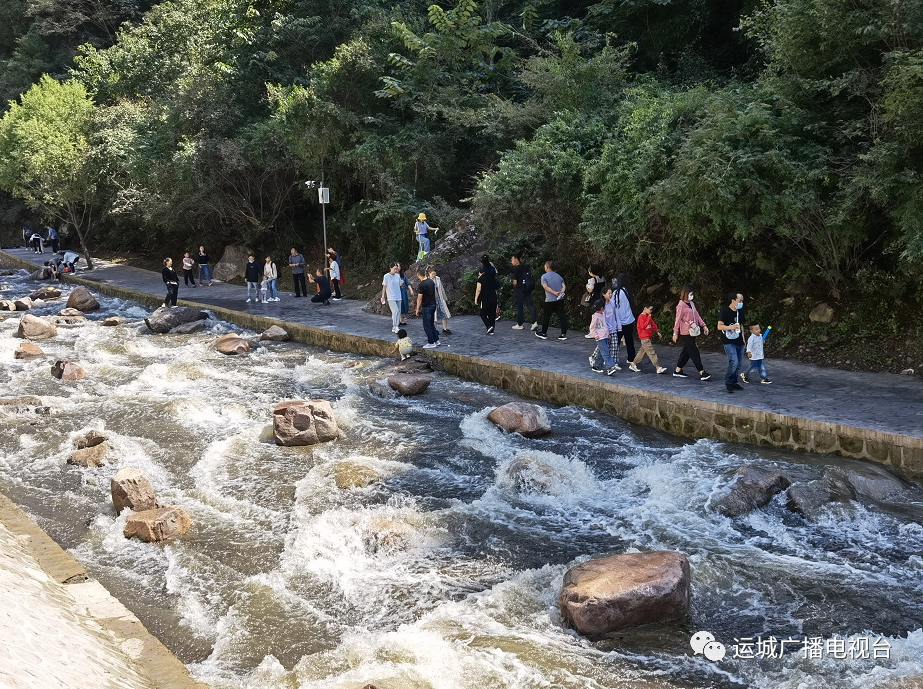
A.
pixel 333 272
pixel 268 285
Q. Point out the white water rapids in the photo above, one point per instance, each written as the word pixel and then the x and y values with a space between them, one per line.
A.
pixel 445 574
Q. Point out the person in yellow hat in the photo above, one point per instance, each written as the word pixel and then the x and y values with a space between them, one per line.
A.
pixel 420 228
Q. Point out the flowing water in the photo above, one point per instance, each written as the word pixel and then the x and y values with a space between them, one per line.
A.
pixel 444 574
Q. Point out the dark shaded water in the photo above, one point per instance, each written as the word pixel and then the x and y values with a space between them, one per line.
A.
pixel 445 573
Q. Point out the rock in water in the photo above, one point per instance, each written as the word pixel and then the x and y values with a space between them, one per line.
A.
pixel 275 334
pixel 23 304
pixel 7 305
pixel 753 487
pixel 130 488
pixel 874 482
pixel 27 350
pixel 809 499
pixel 189 328
pixel 352 475
pixel 379 389
pixel 232 344
pixel 92 456
pixel 303 422
pixel 111 321
pixel 35 328
pixel 157 524
pixel 621 591
pixel 67 370
pixel 81 299
pixel 528 420
pixel 46 293
pixel 164 319
pixel 408 384
pixel 89 438
pixel 68 312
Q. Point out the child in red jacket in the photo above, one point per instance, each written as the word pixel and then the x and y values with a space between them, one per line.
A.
pixel 646 330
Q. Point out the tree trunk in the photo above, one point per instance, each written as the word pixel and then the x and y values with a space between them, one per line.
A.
pixel 77 221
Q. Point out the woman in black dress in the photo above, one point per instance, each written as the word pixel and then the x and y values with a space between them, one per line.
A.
pixel 171 280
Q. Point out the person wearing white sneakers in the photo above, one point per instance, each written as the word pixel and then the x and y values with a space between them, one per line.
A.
pixel 646 330
pixel 252 276
pixel 391 294
pixel 268 285
pixel 426 300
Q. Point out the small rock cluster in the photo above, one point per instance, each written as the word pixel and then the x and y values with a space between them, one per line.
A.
pixel 150 521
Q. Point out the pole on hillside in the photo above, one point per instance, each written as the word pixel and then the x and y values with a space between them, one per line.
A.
pixel 323 195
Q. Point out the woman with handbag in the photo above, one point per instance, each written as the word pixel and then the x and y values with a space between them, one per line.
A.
pixel 687 326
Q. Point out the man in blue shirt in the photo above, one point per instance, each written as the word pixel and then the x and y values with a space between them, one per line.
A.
pixel 53 239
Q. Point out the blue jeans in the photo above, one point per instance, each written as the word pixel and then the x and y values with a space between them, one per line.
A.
pixel 757 365
pixel 602 351
pixel 428 314
pixel 203 270
pixel 255 286
pixel 524 298
pixel 424 243
pixel 735 355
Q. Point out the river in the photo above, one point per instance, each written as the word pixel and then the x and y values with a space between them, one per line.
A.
pixel 444 574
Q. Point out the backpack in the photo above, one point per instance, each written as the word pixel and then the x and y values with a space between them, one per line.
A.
pixel 528 284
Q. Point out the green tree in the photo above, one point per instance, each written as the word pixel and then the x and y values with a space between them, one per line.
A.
pixel 44 150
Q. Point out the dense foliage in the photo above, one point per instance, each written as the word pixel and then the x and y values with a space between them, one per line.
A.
pixel 774 144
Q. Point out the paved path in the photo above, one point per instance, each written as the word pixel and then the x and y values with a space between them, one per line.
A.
pixel 877 401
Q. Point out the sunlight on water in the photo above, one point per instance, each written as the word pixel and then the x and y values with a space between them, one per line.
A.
pixel 442 570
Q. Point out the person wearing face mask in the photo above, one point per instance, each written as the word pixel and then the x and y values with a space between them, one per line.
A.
pixel 686 327
pixel 730 324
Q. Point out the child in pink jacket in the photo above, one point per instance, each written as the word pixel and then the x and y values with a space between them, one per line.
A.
pixel 600 332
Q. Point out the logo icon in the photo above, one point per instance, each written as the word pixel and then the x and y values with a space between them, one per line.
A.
pixel 704 642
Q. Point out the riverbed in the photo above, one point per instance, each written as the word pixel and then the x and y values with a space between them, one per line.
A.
pixel 445 573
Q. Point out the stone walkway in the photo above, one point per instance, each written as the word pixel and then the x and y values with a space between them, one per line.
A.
pixel 876 401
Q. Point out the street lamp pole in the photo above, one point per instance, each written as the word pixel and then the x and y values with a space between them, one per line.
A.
pixel 323 196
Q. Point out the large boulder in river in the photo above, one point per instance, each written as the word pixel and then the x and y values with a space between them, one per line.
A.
pixel 157 524
pixel 408 384
pixel 67 370
pixel 529 420
pixel 89 438
pixel 352 475
pixel 874 482
pixel 275 334
pixel 164 319
pixel 35 328
pixel 232 344
pixel 232 264
pixel 189 328
pixel 753 487
pixel 90 457
pixel 130 488
pixel 7 305
pixel 81 299
pixel 111 322
pixel 46 293
pixel 303 422
pixel 27 350
pixel 23 304
pixel 619 591
pixel 809 499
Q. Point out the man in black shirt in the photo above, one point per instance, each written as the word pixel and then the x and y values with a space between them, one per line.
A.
pixel 730 325
pixel 323 283
pixel 522 292
pixel 485 294
pixel 426 302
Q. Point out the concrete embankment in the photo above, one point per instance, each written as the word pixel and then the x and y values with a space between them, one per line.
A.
pixel 878 417
pixel 61 629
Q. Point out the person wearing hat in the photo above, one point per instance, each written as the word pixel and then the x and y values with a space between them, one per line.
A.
pixel 420 228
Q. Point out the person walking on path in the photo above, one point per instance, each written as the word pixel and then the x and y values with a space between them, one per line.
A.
pixel 755 354
pixel 296 263
pixel 391 294
pixel 554 287
pixel 594 290
pixel 252 276
pixel 53 239
pixel 420 228
pixel 202 260
pixel 621 295
pixel 333 269
pixel 523 284
pixel 426 301
pixel 171 280
pixel 323 286
pixel 612 341
pixel 406 294
pixel 188 275
pixel 686 327
pixel 268 285
pixel 730 325
pixel 485 294
pixel 442 303
pixel 646 330
pixel 600 332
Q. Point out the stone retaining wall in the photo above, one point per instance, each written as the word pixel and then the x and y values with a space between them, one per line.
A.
pixel 671 413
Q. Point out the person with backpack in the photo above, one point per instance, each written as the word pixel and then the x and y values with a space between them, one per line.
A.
pixel 523 284
pixel 485 294
pixel 621 297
